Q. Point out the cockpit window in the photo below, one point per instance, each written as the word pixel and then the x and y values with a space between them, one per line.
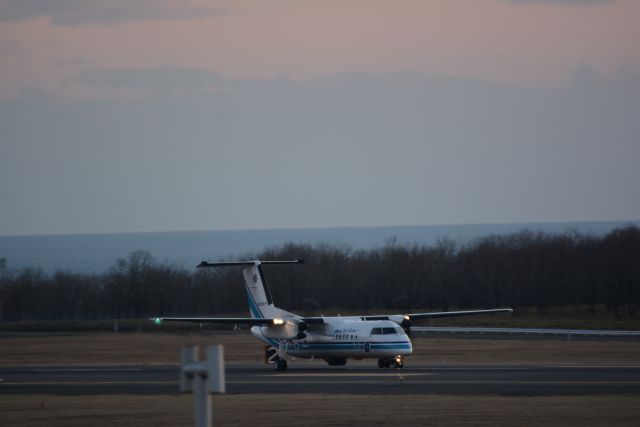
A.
pixel 383 331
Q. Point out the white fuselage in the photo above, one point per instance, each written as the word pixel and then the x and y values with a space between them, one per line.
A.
pixel 345 337
pixel 336 337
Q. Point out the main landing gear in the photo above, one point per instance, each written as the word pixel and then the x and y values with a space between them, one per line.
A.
pixel 280 365
pixel 280 362
pixel 391 362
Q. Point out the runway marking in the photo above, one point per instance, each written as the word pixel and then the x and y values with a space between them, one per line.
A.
pixel 347 374
pixel 524 368
pixel 395 382
pixel 89 383
pixel 463 382
pixel 85 369
pixel 355 380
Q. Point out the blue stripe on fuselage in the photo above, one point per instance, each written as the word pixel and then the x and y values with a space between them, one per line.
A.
pixel 405 346
pixel 355 346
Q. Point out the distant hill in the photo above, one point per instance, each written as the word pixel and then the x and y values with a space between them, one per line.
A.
pixel 95 253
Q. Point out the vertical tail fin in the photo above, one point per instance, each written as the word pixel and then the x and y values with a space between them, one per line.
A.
pixel 258 292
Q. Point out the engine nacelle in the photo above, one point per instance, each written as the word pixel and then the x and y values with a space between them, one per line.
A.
pixel 288 330
pixel 402 320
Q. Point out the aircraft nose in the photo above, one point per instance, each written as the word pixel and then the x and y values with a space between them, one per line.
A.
pixel 408 341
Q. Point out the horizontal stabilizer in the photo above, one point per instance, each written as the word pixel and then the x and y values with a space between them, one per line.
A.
pixel 227 264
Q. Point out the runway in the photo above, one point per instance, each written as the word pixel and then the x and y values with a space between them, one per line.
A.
pixel 242 378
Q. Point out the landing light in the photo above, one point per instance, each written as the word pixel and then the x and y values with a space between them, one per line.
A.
pixel 407 318
pixel 278 321
pixel 157 321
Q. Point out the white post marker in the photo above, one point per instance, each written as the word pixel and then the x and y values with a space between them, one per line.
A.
pixel 201 379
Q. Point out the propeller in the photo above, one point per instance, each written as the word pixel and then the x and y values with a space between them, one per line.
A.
pixel 302 326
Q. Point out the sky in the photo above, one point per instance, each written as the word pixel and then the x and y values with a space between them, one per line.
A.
pixel 156 115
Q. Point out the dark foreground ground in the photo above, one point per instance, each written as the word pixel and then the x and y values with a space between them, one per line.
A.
pixel 317 410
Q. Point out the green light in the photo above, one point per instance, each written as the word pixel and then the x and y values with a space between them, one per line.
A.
pixel 158 321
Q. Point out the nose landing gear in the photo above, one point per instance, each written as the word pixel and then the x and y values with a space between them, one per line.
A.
pixel 391 362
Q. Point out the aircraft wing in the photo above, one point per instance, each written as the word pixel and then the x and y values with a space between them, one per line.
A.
pixel 410 317
pixel 398 318
pixel 236 320
pixel 435 315
pixel 406 320
pixel 526 331
pixel 232 320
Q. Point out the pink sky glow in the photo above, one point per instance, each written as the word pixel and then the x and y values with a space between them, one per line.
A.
pixel 533 44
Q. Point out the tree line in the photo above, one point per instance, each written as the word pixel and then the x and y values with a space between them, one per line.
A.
pixel 524 270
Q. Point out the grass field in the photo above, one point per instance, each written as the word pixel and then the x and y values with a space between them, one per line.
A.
pixel 161 348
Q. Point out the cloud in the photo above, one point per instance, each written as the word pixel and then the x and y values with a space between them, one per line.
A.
pixel 78 12
pixel 563 2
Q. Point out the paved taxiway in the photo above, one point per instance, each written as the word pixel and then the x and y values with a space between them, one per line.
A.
pixel 319 378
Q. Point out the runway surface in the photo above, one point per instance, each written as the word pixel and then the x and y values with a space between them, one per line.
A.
pixel 319 378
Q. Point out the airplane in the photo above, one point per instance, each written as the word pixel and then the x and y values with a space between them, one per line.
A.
pixel 333 339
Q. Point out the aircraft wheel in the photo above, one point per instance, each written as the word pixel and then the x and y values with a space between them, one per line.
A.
pixel 284 365
pixel 380 363
pixel 280 365
pixel 398 363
